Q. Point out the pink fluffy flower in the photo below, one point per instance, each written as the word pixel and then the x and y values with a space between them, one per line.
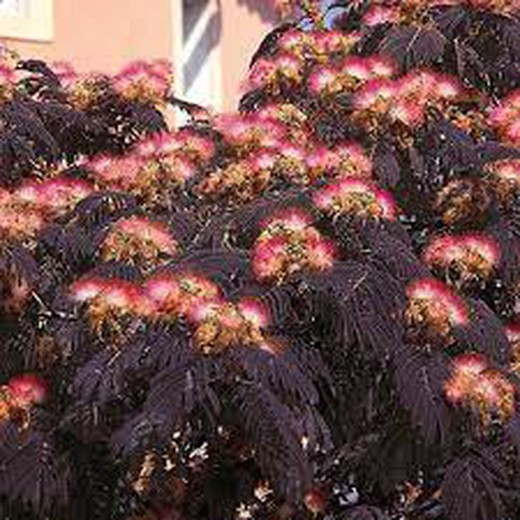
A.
pixel 254 311
pixel 378 15
pixel 441 300
pixel 28 389
pixel 293 219
pixel 466 369
pixel 54 195
pixel 357 197
pixel 144 81
pixel 472 253
pixel 324 80
pixel 87 288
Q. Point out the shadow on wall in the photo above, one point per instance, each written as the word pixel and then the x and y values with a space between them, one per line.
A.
pixel 262 7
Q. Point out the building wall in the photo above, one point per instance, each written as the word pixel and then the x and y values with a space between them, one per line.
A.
pixel 243 28
pixel 104 34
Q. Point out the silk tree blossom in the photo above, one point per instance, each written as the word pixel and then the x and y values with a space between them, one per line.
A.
pixel 290 7
pixel 348 76
pixel 317 46
pixel 320 162
pixel 285 113
pixel 414 11
pixel 19 221
pixel 54 196
pixel 25 210
pixel 8 78
pixel 327 44
pixel 242 180
pixel 376 97
pixel 288 244
pixel 65 72
pixel 28 389
pixel 292 160
pixel 379 14
pixel 249 132
pixel 184 143
pixel 84 90
pixel 434 308
pixel 110 303
pixel 513 336
pixel 326 80
pixel 352 161
pixel 482 389
pixel 505 118
pixel 128 173
pixel 148 82
pixel 295 42
pixel 21 393
pixel 145 176
pixel 138 240
pixel 275 73
pixel 219 326
pixel 180 295
pixel 405 100
pixel 505 176
pixel 472 254
pixel 355 197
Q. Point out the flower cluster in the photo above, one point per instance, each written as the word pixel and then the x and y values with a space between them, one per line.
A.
pixel 284 113
pixel 405 100
pixel 505 118
pixel 317 46
pixel 288 7
pixel 505 176
pixel 513 336
pixel 283 71
pixel 85 90
pixel 20 394
pixel 275 143
pixel 139 81
pixel 249 132
pixel 217 323
pixel 26 209
pixel 111 302
pixel 462 201
pixel 473 383
pixel 161 297
pixel 146 82
pixel 243 180
pixel 8 78
pixel 471 255
pixel 138 240
pixel 434 309
pixel 289 243
pixel 355 197
pixel 224 325
pixel 415 11
pixel 185 142
pixel 155 165
pixel 131 172
pixel 349 75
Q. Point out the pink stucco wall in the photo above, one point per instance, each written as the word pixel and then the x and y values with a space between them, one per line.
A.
pixel 243 28
pixel 104 34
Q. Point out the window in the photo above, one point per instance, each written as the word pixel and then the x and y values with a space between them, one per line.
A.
pixel 27 19
pixel 9 8
pixel 198 52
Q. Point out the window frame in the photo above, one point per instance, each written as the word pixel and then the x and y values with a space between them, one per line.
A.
pixel 36 24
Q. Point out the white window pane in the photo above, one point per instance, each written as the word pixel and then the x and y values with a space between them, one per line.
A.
pixel 12 7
